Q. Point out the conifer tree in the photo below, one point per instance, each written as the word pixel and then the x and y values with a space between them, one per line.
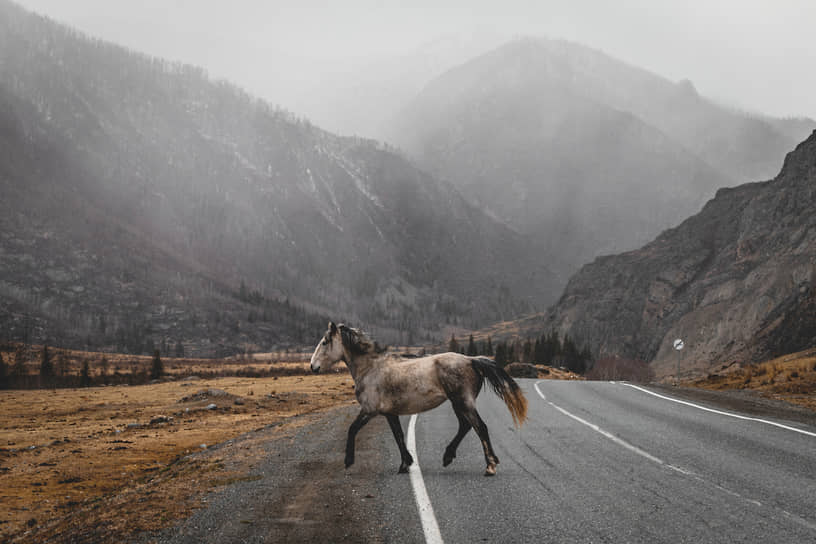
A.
pixel 46 366
pixel 4 372
pixel 104 366
pixel 453 345
pixel 19 363
pixel 489 347
pixel 85 374
pixel 471 348
pixel 157 368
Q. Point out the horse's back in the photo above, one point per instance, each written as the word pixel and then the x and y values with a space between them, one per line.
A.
pixel 414 385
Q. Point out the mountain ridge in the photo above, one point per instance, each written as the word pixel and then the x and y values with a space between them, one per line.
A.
pixel 222 187
pixel 736 281
pixel 588 154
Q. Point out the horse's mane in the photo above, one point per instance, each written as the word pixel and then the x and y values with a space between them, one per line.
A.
pixel 358 342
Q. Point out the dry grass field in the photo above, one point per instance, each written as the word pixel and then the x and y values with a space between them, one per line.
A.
pixel 115 459
pixel 74 459
pixel 791 378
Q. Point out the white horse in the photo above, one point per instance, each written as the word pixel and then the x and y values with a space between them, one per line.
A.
pixel 394 387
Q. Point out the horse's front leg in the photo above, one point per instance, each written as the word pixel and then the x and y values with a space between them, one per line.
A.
pixel 362 419
pixel 396 428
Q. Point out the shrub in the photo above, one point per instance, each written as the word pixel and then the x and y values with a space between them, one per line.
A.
pixel 620 368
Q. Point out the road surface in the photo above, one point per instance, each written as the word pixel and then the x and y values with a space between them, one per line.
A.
pixel 595 462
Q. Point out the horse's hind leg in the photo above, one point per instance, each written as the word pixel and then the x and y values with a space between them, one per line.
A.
pixel 479 426
pixel 356 425
pixel 396 428
pixel 464 427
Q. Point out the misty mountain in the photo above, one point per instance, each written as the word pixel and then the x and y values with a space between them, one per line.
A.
pixel 354 98
pixel 586 153
pixel 736 282
pixel 143 201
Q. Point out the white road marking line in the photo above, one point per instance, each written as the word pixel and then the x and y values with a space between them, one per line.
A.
pixel 426 513
pixel 691 474
pixel 610 436
pixel 729 414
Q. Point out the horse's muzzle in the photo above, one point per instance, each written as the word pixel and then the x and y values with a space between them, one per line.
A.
pixel 316 370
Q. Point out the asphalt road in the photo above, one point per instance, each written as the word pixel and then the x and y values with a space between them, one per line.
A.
pixel 650 470
pixel 595 462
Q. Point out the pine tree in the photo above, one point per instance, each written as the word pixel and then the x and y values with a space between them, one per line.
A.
pixel 4 372
pixel 471 349
pixel 157 368
pixel 62 364
pixel 104 366
pixel 527 351
pixel 489 347
pixel 19 368
pixel 85 374
pixel 453 345
pixel 46 366
pixel 499 358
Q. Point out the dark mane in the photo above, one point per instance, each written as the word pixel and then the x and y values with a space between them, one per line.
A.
pixel 357 342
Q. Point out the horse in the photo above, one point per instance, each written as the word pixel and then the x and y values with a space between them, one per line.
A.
pixel 393 387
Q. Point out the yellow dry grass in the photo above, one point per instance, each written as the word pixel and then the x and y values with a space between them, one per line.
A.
pixel 791 378
pixel 69 450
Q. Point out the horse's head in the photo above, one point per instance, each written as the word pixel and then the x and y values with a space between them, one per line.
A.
pixel 329 351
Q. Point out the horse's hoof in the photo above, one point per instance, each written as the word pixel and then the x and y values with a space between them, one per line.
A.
pixel 447 460
pixel 349 462
pixel 403 469
pixel 490 471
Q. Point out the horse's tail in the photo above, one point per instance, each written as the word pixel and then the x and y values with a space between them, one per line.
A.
pixel 504 386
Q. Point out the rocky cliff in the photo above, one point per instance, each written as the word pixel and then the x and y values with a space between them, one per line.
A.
pixel 736 282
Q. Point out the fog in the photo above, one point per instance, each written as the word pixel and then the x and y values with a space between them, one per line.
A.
pixel 314 57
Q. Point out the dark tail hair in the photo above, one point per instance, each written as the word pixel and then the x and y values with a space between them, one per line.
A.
pixel 504 386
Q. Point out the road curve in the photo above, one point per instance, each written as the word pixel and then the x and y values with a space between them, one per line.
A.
pixel 604 462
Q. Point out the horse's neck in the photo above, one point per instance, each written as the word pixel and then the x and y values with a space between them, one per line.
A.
pixel 360 365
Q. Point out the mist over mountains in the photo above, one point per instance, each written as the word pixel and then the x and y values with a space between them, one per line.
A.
pixel 141 193
pixel 736 282
pixel 589 154
pixel 144 204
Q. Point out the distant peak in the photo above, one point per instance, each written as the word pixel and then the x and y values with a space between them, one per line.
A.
pixel 801 161
pixel 686 87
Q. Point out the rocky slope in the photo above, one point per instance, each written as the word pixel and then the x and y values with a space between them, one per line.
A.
pixel 736 282
pixel 590 155
pixel 143 200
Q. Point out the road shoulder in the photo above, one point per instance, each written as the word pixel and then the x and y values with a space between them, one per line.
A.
pixel 296 488
pixel 745 401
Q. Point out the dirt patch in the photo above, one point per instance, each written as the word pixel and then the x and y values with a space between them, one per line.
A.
pixel 87 464
pixel 295 487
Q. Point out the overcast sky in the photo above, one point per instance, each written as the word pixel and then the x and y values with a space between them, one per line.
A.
pixel 757 55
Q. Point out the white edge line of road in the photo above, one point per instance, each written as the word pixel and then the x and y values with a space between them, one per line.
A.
pixel 430 527
pixel 610 436
pixel 681 470
pixel 729 414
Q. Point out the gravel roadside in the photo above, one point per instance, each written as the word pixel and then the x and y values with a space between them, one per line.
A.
pixel 297 489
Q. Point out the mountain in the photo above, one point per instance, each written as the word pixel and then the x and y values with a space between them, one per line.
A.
pixel 736 282
pixel 144 203
pixel 586 153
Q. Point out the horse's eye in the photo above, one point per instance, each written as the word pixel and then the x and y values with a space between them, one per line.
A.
pixel 325 341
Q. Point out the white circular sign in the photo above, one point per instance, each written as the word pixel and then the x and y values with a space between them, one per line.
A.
pixel 678 344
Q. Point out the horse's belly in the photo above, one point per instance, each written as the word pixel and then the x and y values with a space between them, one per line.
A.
pixel 414 404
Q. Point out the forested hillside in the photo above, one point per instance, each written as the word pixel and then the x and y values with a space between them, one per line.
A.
pixel 142 200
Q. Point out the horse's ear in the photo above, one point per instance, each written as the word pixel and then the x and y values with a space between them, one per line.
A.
pixel 332 328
